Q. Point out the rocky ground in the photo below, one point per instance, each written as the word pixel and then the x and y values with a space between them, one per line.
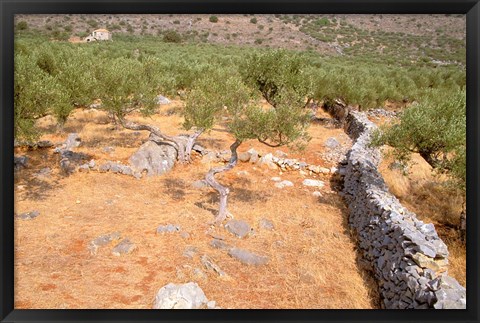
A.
pixel 96 236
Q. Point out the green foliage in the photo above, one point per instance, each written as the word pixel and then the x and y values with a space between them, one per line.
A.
pixel 213 19
pixel 434 128
pixel 274 73
pixel 92 23
pixel 171 36
pixel 253 20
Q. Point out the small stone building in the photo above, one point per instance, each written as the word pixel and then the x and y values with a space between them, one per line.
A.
pixel 99 34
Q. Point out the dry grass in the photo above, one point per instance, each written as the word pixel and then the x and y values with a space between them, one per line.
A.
pixel 312 258
pixel 422 192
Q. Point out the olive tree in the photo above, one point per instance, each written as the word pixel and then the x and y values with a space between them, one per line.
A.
pixel 284 123
pixel 128 85
pixel 435 129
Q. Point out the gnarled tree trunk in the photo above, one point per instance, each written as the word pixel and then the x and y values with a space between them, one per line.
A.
pixel 184 149
pixel 222 190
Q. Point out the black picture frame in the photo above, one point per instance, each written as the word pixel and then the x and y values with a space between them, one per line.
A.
pixel 11 7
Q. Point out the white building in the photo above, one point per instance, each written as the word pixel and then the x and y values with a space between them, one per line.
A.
pixel 99 34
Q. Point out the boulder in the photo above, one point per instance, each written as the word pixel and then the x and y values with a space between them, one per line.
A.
pixel 154 158
pixel 182 296
pixel 244 157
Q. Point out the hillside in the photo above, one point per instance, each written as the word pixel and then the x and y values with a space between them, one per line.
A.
pixel 437 39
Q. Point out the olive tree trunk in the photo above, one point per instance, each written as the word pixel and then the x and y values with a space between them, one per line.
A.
pixel 222 190
pixel 184 149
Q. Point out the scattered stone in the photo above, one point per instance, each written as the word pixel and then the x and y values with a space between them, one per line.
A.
pixel 154 158
pixel 243 173
pixel 208 263
pixel 219 244
pixel 162 100
pixel 104 168
pixel 84 168
pixel 276 179
pixel 244 157
pixel 169 228
pixel 211 305
pixel 73 141
pixel 283 184
pixel 238 227
pixel 29 215
pixel 102 241
pixel 247 257
pixel 267 161
pixel 317 194
pixel 183 296
pixel 266 224
pixel 185 235
pixel 425 262
pixel 124 247
pixel 313 183
pixel 280 154
pixel 253 155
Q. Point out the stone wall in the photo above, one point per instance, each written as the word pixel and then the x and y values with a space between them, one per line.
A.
pixel 406 256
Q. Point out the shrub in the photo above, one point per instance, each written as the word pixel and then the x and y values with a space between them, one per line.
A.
pixel 22 25
pixel 171 36
pixel 92 23
pixel 213 19
pixel 253 20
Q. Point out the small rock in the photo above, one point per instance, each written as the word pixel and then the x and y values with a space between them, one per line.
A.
pixel 244 157
pixel 20 162
pixel 73 140
pixel 280 154
pixel 276 179
pixel 29 215
pixel 211 305
pixel 183 296
pixel 238 227
pixel 266 224
pixel 267 161
pixel 200 184
pixel 169 228
pixel 208 263
pixel 124 247
pixel 102 241
pixel 219 244
pixel 104 168
pixel 247 257
pixel 162 100
pixel 313 183
pixel 243 173
pixel 317 194
pixel 283 184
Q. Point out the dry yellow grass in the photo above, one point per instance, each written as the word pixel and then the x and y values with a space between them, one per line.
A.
pixel 313 261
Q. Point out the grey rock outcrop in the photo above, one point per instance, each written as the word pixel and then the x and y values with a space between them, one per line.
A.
pixel 154 158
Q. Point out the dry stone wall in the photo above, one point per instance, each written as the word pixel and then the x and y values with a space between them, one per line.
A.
pixel 408 259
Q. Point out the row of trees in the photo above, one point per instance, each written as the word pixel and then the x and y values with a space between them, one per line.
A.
pixel 57 78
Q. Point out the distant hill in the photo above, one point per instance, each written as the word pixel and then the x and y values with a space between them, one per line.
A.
pixel 432 38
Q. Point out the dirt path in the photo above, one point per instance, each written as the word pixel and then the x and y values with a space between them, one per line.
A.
pixel 312 260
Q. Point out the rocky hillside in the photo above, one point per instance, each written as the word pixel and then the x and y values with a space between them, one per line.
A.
pixel 431 38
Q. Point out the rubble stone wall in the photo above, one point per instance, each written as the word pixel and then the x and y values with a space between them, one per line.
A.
pixel 406 256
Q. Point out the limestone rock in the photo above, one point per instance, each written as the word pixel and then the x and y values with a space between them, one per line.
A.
pixel 238 227
pixel 313 183
pixel 182 296
pixel 154 158
pixel 247 257
pixel 124 247
pixel 29 215
pixel 283 184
